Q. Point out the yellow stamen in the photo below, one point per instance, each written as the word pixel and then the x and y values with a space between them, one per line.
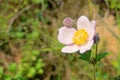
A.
pixel 80 37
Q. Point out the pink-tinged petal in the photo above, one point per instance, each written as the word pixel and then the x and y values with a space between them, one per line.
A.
pixel 91 29
pixel 83 22
pixel 93 23
pixel 70 49
pixel 86 47
pixel 91 33
pixel 66 34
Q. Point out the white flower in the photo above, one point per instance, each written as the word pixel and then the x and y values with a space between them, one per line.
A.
pixel 80 39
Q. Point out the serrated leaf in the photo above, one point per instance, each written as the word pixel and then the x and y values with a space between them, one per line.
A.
pixel 101 56
pixel 86 56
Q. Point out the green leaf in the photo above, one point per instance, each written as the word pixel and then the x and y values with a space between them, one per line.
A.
pixel 7 77
pixel 31 72
pixel 40 71
pixel 19 34
pixel 37 1
pixel 86 56
pixel 12 67
pixel 101 55
pixel 1 70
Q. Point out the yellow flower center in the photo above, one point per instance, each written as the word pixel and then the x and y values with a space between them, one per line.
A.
pixel 80 37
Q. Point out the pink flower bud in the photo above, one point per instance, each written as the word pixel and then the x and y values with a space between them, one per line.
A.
pixel 68 22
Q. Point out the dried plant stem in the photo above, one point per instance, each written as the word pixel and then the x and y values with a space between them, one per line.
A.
pixel 12 20
pixel 90 9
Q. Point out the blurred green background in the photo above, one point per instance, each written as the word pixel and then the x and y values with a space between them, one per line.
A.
pixel 29 49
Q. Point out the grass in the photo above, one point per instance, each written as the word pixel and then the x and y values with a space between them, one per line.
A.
pixel 28 40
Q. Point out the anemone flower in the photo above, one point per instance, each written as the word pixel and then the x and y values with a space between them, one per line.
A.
pixel 80 39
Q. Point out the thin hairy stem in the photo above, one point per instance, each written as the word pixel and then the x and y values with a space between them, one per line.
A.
pixel 94 64
pixel 94 72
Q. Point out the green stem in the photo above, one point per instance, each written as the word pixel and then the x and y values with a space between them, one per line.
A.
pixel 96 51
pixel 94 64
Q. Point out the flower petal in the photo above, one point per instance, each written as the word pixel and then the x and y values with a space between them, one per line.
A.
pixel 91 33
pixel 70 49
pixel 66 34
pixel 86 47
pixel 83 22
pixel 93 23
pixel 91 29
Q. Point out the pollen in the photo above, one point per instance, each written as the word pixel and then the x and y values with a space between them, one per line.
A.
pixel 80 37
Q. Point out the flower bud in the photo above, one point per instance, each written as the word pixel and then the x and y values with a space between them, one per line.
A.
pixel 96 38
pixel 68 22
